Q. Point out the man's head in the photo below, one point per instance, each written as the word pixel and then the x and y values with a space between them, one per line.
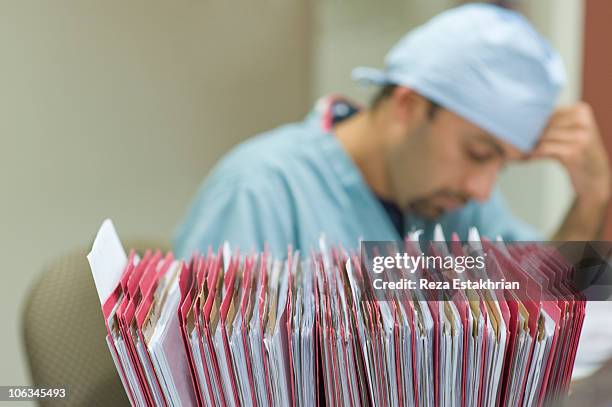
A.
pixel 492 81
pixel 435 160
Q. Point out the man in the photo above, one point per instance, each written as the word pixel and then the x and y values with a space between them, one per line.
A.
pixel 461 96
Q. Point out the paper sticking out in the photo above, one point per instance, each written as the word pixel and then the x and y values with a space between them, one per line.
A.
pixel 107 260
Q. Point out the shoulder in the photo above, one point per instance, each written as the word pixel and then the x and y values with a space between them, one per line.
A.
pixel 271 150
pixel 257 168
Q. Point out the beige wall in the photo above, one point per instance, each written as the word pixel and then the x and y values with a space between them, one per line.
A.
pixel 118 108
pixel 360 32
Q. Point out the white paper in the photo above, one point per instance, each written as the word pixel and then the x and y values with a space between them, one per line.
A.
pixel 107 260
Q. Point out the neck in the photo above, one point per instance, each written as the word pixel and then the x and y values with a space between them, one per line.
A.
pixel 361 138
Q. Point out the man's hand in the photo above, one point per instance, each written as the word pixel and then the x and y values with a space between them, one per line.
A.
pixel 572 138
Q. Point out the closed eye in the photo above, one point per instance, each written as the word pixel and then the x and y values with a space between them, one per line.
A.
pixel 480 157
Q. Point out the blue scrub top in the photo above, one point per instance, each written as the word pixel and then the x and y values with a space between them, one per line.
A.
pixel 294 183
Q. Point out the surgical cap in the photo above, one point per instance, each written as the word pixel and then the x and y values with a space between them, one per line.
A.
pixel 483 62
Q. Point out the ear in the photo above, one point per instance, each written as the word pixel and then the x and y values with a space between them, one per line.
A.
pixel 408 105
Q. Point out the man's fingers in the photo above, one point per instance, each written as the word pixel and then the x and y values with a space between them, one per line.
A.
pixel 562 117
pixel 559 136
pixel 576 116
pixel 558 151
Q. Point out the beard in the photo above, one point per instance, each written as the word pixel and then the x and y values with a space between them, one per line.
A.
pixel 437 204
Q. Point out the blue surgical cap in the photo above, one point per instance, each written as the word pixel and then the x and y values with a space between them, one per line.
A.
pixel 483 62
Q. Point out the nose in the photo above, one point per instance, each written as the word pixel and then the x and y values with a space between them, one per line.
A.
pixel 479 184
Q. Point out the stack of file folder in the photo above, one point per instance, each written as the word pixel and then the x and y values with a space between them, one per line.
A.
pixel 230 329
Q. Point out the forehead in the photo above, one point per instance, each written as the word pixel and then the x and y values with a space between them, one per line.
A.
pixel 471 133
